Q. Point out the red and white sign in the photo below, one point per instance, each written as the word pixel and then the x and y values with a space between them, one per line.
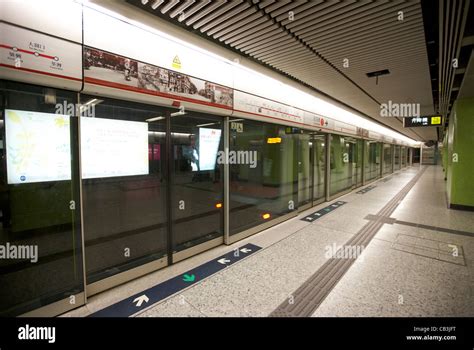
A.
pixel 29 52
pixel 259 106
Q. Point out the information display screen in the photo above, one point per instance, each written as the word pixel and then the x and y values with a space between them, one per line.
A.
pixel 209 140
pixel 38 146
pixel 112 147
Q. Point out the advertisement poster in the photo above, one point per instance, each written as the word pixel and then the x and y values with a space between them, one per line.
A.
pixel 112 147
pixel 37 146
pixel 116 71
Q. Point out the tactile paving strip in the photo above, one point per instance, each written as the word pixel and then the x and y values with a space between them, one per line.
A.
pixel 307 298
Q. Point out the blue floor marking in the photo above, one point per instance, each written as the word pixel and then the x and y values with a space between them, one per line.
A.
pixel 153 295
pixel 323 211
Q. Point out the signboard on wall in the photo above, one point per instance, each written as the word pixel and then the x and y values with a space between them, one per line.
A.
pixel 37 146
pixel 111 147
pixel 252 104
pixel 32 52
pixel 318 121
pixel 432 120
pixel 362 132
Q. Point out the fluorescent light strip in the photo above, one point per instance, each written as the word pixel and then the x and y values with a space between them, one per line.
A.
pixel 154 119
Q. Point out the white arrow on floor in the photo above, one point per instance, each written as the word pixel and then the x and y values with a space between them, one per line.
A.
pixel 140 300
pixel 223 261
pixel 245 250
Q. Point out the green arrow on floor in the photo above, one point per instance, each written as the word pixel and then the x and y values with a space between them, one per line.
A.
pixel 188 278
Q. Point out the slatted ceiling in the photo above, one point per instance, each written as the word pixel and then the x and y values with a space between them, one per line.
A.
pixel 263 39
pixel 156 3
pixel 169 6
pixel 312 46
pixel 181 8
pixel 192 10
pixel 377 34
pixel 241 19
pixel 453 16
pixel 300 10
pixel 222 19
pixel 241 26
pixel 353 22
pixel 275 6
pixel 241 33
pixel 323 17
pixel 213 17
pixel 372 46
pixel 355 27
pixel 253 34
pixel 317 9
pixel 204 10
pixel 290 7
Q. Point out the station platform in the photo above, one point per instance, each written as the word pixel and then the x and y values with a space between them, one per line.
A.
pixel 414 258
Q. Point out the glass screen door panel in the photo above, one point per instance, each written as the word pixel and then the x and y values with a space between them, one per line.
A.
pixel 197 179
pixel 304 169
pixel 351 146
pixel 124 186
pixel 404 156
pixel 341 166
pixel 387 158
pixel 319 166
pixel 263 173
pixel 39 201
pixel 397 160
pixel 372 160
pixel 358 161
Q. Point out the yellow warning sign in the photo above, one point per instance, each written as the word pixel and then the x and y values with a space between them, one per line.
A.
pixel 176 62
pixel 436 120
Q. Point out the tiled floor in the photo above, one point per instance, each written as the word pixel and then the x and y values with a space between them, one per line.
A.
pixel 404 271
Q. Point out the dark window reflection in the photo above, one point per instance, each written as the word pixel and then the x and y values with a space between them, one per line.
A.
pixel 124 186
pixel 38 184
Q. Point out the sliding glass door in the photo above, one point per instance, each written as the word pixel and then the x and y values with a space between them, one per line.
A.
pixel 396 158
pixel 372 160
pixel 196 183
pixel 319 167
pixel 263 175
pixel 123 188
pixel 387 158
pixel 305 161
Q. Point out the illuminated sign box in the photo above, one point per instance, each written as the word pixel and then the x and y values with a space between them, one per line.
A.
pixel 432 120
